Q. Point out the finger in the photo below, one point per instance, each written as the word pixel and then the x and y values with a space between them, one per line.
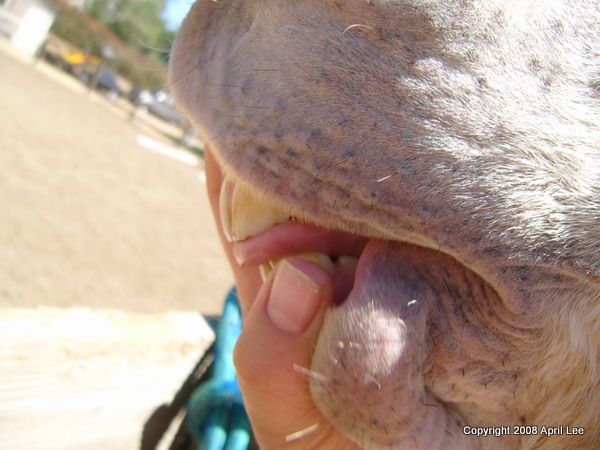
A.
pixel 279 334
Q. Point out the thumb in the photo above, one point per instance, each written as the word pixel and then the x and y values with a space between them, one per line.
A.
pixel 273 354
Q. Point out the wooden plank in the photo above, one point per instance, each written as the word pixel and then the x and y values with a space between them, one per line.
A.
pixel 82 378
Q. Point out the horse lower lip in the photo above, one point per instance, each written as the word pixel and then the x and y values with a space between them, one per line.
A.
pixel 377 336
pixel 291 238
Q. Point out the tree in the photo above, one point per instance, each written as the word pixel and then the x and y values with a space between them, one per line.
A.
pixel 137 22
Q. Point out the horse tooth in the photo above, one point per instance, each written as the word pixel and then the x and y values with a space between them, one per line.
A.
pixel 251 216
pixel 347 263
pixel 266 269
pixel 244 215
pixel 321 259
pixel 225 208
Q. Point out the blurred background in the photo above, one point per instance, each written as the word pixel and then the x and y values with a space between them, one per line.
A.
pixel 109 257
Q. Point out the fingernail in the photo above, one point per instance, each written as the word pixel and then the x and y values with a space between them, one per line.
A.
pixel 294 298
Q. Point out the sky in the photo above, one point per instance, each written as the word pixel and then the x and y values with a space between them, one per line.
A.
pixel 175 11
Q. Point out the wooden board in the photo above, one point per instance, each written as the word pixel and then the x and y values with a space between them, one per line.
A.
pixel 82 378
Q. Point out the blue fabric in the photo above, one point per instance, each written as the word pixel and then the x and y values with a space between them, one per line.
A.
pixel 216 415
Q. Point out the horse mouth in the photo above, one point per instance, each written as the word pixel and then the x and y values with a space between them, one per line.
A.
pixel 395 304
pixel 262 234
pixel 377 329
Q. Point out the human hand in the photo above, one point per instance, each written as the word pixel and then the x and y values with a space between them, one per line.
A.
pixel 282 320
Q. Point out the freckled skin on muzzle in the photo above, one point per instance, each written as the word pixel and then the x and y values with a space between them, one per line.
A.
pixel 464 137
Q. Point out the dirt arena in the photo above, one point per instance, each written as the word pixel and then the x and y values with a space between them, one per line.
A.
pixel 89 217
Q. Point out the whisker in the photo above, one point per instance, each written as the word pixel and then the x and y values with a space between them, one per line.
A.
pixel 263 70
pixel 225 85
pixel 255 107
pixel 164 50
pixel 358 25
pixel 220 7
pixel 300 434
pixel 310 373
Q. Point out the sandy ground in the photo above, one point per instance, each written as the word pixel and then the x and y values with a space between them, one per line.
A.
pixel 87 216
pixel 108 252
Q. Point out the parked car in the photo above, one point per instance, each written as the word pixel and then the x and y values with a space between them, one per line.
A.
pixel 159 103
pixel 140 97
pixel 108 82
